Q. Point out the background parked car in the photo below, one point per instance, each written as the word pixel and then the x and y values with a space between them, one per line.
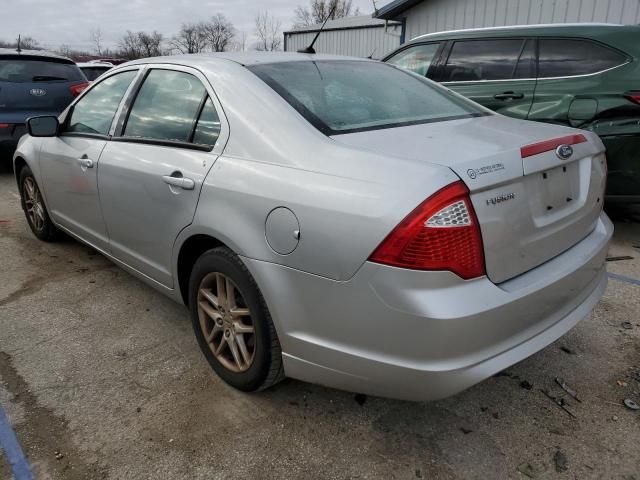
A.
pixel 33 83
pixel 94 69
pixel 584 76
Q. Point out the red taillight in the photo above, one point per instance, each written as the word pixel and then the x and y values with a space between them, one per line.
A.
pixel 441 234
pixel 633 96
pixel 78 88
pixel 4 125
pixel 548 145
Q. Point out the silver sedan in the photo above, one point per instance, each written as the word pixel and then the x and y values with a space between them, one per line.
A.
pixel 330 219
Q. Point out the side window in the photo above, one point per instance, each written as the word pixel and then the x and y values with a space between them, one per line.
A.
pixel 475 60
pixel 416 59
pixel 566 58
pixel 208 127
pixel 95 111
pixel 166 107
pixel 526 67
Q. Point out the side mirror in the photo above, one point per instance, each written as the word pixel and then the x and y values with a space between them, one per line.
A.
pixel 43 126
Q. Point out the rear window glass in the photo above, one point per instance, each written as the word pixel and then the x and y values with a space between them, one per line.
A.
pixel 416 59
pixel 476 60
pixel 93 72
pixel 341 96
pixel 25 71
pixel 566 58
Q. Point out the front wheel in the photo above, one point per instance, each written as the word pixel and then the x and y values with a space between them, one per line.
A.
pixel 232 323
pixel 35 209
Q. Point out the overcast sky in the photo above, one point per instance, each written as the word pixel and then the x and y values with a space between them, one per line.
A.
pixel 56 22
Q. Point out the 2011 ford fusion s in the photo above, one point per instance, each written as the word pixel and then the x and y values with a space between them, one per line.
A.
pixel 329 219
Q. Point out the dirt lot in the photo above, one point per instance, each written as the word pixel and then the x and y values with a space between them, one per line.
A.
pixel 101 377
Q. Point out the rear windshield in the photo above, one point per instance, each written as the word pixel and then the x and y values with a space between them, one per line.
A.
pixel 20 70
pixel 93 72
pixel 343 96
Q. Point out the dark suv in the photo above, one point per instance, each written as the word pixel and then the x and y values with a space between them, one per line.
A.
pixel 33 83
pixel 582 75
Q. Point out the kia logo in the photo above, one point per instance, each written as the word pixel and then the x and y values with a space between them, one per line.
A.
pixel 564 152
pixel 37 92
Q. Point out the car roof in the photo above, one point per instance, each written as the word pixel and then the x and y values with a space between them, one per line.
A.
pixel 45 55
pixel 242 58
pixel 591 30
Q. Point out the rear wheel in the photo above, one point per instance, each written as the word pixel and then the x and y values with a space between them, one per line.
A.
pixel 232 323
pixel 35 209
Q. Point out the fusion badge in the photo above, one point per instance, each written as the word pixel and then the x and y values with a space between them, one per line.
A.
pixel 501 198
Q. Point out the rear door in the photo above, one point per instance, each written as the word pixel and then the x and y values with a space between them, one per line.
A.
pixel 152 172
pixel 497 73
pixel 69 163
pixel 570 83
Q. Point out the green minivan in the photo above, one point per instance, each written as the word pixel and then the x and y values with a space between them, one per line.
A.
pixel 581 75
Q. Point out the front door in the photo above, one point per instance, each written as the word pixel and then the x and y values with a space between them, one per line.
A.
pixel 151 175
pixel 69 162
pixel 498 74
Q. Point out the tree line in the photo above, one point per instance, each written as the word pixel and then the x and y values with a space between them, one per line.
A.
pixel 215 35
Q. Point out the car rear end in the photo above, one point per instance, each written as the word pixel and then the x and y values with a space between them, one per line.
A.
pixel 617 121
pixel 485 271
pixel 33 84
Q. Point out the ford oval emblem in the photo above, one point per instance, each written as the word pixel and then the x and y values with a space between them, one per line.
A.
pixel 564 152
pixel 37 92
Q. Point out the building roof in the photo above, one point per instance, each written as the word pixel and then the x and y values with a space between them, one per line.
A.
pixel 345 23
pixel 395 8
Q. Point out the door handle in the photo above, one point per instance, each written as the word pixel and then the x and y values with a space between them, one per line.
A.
pixel 509 96
pixel 177 180
pixel 85 162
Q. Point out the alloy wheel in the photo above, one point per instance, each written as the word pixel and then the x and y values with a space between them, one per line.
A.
pixel 225 320
pixel 33 203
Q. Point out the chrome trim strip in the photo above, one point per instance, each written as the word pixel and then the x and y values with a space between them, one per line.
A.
pixel 523 27
pixel 540 78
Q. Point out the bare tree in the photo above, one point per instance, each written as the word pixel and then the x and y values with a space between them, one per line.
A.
pixel 140 44
pixel 319 10
pixel 27 43
pixel 268 32
pixel 95 35
pixel 219 32
pixel 65 50
pixel 150 43
pixel 191 38
pixel 129 46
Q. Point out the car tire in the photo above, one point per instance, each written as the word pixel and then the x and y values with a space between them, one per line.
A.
pixel 34 208
pixel 222 323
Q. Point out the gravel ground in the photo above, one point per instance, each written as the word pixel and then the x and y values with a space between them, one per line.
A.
pixel 101 377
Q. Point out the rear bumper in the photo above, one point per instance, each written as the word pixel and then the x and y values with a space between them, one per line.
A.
pixel 427 335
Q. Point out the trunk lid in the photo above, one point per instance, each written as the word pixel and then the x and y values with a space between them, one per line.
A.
pixel 531 204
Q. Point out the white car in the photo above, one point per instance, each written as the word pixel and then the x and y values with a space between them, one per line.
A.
pixel 95 68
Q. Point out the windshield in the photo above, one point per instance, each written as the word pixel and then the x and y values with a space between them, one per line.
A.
pixel 22 70
pixel 345 96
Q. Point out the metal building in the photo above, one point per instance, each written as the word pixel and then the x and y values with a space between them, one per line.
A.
pixel 361 36
pixel 426 16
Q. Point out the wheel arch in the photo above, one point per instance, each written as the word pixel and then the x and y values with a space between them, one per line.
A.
pixel 190 250
pixel 18 164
